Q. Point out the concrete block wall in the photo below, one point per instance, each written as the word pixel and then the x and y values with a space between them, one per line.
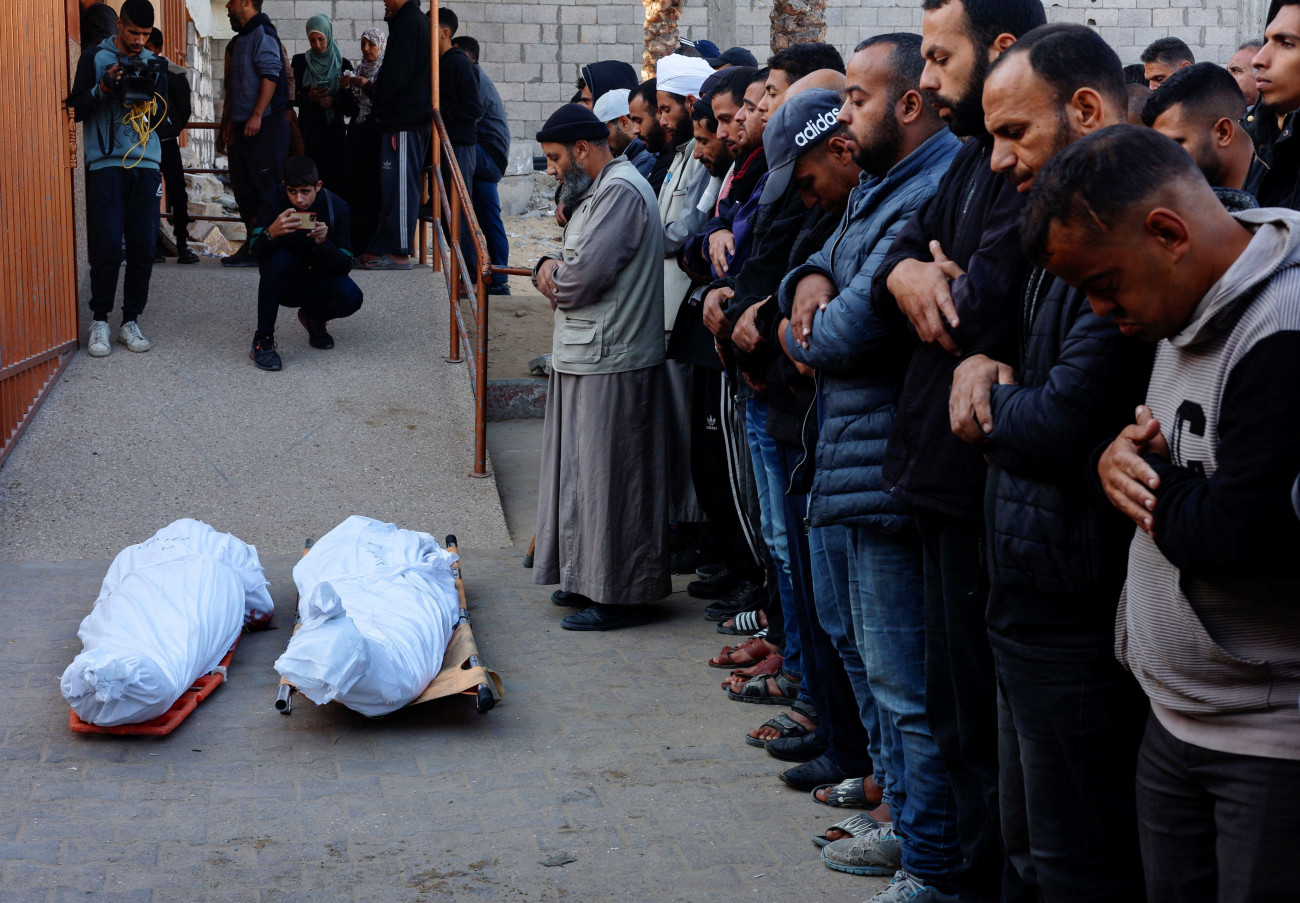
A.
pixel 533 50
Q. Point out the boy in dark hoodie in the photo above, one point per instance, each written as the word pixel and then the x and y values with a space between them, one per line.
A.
pixel 303 244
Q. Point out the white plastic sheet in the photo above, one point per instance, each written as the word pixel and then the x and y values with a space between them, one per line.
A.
pixel 378 606
pixel 167 612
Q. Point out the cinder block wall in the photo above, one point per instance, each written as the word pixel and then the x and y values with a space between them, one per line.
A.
pixel 533 49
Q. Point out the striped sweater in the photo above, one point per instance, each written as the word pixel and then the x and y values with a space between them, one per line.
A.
pixel 1209 621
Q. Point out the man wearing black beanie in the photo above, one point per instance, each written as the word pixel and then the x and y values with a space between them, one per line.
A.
pixel 602 510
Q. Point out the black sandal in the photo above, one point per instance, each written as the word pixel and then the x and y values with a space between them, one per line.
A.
pixel 755 690
pixel 784 725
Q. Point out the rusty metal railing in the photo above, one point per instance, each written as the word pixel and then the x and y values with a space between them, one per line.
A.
pixel 449 210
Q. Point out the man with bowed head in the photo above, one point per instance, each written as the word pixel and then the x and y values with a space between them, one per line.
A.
pixel 1067 713
pixel 1208 621
pixel 602 511
pixel 953 272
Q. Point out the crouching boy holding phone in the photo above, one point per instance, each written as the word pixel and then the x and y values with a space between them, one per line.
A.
pixel 303 245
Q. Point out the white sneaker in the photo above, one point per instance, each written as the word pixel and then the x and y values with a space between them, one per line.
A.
pixel 100 343
pixel 131 336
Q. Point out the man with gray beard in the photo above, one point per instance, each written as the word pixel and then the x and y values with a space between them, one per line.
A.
pixel 602 509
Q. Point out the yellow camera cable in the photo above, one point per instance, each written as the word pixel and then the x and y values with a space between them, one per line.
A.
pixel 138 118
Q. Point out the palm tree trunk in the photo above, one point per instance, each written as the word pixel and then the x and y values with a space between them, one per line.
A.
pixel 797 22
pixel 661 32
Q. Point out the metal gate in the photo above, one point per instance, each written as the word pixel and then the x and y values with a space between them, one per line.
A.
pixel 38 276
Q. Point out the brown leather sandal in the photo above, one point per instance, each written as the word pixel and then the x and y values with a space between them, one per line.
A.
pixel 750 652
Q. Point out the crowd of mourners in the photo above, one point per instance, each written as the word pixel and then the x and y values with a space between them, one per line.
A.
pixel 962 374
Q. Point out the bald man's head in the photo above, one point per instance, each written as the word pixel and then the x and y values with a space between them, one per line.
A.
pixel 822 78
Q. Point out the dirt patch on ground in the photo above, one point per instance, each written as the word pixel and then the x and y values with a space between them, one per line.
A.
pixel 519 326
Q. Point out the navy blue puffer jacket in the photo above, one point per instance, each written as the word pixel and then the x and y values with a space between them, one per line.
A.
pixel 1057 552
pixel 861 358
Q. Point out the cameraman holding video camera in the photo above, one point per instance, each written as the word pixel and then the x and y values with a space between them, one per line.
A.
pixel 120 95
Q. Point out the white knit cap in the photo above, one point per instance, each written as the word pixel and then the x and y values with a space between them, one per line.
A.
pixel 612 104
pixel 682 75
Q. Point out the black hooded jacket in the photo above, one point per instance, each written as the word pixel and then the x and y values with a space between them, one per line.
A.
pixel 975 217
pixel 401 90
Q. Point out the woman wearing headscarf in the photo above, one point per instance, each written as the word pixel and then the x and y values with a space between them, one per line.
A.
pixel 361 182
pixel 322 101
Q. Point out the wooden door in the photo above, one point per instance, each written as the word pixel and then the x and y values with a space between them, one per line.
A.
pixel 38 275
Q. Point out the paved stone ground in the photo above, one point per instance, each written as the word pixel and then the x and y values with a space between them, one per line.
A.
pixel 618 749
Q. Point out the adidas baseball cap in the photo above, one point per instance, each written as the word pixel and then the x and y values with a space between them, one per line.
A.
pixel 801 123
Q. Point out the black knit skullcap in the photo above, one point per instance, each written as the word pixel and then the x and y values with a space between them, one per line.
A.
pixel 572 122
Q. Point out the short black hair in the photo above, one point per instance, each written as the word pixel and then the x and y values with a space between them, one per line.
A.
pixel 137 12
pixel 986 19
pixel 646 91
pixel 702 111
pixel 299 171
pixel 799 60
pixel 1068 57
pixel 1205 90
pixel 1135 74
pixel 1251 44
pixel 905 61
pixel 448 19
pixel 735 82
pixel 1167 50
pixel 467 44
pixel 155 39
pixel 1276 7
pixel 1098 178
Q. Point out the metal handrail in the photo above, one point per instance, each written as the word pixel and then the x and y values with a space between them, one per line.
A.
pixel 449 207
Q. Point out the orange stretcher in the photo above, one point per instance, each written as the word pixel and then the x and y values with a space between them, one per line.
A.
pixel 169 720
pixel 463 671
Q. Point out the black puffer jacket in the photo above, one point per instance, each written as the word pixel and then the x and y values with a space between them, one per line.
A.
pixel 1053 544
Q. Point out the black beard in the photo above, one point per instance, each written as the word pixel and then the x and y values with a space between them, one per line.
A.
pixel 968 110
pixel 878 157
pixel 574 185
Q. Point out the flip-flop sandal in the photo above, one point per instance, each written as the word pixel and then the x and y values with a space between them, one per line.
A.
pixel 744 623
pixel 854 826
pixel 754 648
pixel 755 690
pixel 766 668
pixel 844 795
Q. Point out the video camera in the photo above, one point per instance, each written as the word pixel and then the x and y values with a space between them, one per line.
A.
pixel 139 78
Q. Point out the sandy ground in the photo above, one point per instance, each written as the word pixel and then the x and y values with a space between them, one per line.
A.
pixel 519 326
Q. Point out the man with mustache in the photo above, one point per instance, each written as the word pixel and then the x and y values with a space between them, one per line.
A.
pixel 1068 714
pixel 1208 621
pixel 602 511
pixel 954 273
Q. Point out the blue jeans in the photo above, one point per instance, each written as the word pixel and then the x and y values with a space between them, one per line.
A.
pixel 770 478
pixel 888 608
pixel 829 547
pixel 487 210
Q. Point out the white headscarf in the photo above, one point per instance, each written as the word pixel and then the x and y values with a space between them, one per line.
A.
pixel 682 75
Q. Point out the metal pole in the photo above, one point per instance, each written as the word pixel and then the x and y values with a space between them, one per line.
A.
pixel 435 89
pixel 453 286
pixel 480 381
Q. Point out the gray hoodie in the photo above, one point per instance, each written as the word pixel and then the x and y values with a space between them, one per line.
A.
pixel 1216 643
